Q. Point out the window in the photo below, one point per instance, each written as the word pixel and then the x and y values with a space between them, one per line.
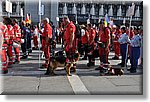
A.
pixel 60 8
pixel 3 6
pixel 14 7
pixel 96 9
pixel 69 8
pixel 78 8
pixel 88 8
pixel 123 10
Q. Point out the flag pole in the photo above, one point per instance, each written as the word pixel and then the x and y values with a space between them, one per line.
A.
pixel 127 44
pixel 39 29
pixel 131 13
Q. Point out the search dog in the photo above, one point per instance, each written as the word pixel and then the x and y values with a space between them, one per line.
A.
pixel 59 60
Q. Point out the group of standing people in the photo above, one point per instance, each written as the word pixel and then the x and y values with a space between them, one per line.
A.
pixel 11 39
pixel 97 41
pixel 14 38
pixel 91 41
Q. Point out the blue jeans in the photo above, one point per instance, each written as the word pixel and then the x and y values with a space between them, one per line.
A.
pixel 123 50
pixel 134 56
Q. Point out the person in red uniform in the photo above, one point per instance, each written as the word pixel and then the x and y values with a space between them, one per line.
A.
pixel 131 35
pixel 85 40
pixel 46 36
pixel 69 36
pixel 116 34
pixel 8 23
pixel 69 40
pixel 35 37
pixel 17 39
pixel 104 44
pixel 4 42
pixel 91 45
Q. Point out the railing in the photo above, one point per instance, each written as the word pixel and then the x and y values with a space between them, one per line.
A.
pixel 80 16
pixel 14 14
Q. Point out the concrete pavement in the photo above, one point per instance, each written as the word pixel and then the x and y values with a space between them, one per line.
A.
pixel 26 78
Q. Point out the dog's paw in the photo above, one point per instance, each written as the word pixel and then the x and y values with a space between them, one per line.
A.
pixel 53 74
pixel 69 75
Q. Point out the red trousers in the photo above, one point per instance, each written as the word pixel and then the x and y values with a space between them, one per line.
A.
pixel 35 41
pixel 46 49
pixel 129 47
pixel 10 54
pixel 117 49
pixel 103 53
pixel 4 60
pixel 17 53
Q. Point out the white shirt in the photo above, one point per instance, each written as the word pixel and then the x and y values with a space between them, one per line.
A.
pixel 136 41
pixel 124 38
pixel 35 33
pixel 82 32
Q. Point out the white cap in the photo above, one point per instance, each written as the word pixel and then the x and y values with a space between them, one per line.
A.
pixel 114 26
pixel 47 20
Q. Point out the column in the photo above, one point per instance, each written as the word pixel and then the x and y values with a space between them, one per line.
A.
pixel 18 8
pixel 74 10
pixel 65 9
pixel 101 10
pixel 54 11
pixel 83 11
pixel 0 8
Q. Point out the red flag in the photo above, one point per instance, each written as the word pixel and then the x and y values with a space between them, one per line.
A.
pixel 28 19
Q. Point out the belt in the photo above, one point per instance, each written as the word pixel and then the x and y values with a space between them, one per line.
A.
pixel 123 43
pixel 135 46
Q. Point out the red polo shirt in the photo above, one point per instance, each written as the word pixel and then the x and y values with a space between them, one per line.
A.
pixel 69 29
pixel 117 34
pixel 92 35
pixel 85 38
pixel 47 31
pixel 131 33
pixel 104 36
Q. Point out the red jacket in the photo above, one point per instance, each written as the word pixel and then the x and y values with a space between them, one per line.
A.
pixel 117 35
pixel 70 28
pixel 17 32
pixel 85 38
pixel 104 35
pixel 92 35
pixel 47 31
pixel 10 34
pixel 131 33
pixel 5 35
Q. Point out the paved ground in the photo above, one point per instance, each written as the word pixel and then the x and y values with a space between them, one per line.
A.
pixel 26 78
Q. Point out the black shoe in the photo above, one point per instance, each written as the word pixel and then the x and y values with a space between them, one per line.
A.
pixel 47 73
pixel 4 71
pixel 16 62
pixel 129 69
pixel 84 58
pixel 98 68
pixel 119 64
pixel 132 71
pixel 115 58
pixel 90 64
pixel 24 57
